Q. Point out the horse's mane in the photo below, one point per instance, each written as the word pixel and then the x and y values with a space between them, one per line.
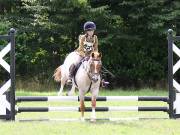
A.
pixel 96 55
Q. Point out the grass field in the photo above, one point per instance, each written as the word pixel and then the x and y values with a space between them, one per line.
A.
pixel 158 124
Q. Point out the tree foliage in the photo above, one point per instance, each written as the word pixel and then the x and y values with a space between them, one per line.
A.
pixel 132 35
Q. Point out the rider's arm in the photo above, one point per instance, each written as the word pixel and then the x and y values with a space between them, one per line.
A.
pixel 96 44
pixel 81 43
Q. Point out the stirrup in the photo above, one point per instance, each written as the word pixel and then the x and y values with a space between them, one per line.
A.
pixel 69 81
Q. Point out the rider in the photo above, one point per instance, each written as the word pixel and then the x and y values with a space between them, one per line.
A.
pixel 88 43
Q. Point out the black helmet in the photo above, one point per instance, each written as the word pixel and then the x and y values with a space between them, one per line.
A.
pixel 89 26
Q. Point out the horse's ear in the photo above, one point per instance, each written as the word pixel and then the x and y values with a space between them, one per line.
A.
pixel 100 55
pixel 92 54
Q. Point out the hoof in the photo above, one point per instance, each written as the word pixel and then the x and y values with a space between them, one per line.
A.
pixel 69 94
pixel 93 119
pixel 82 119
pixel 59 94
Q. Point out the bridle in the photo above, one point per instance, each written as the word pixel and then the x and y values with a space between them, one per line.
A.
pixel 91 74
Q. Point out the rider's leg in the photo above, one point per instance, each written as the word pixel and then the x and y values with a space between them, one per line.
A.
pixel 71 72
pixel 73 67
pixel 103 82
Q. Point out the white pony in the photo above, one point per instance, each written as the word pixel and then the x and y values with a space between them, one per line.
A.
pixel 86 79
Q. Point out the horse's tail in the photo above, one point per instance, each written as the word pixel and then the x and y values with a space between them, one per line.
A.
pixel 57 74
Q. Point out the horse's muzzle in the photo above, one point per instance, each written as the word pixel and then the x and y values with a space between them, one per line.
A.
pixel 95 78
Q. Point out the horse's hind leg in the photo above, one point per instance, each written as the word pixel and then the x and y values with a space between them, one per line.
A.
pixel 63 81
pixel 72 91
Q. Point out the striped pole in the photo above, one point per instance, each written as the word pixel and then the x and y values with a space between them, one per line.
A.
pixel 88 98
pixel 86 119
pixel 89 109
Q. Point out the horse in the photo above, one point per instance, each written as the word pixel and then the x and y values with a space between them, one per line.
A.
pixel 87 78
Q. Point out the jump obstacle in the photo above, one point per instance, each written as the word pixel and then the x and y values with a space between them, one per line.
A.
pixel 8 100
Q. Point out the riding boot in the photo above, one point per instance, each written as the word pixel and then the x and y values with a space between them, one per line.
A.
pixel 71 73
pixel 104 83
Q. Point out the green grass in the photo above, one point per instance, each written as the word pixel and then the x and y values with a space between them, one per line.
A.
pixel 103 92
pixel 127 127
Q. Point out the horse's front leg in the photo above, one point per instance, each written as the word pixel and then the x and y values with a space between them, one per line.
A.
pixel 82 106
pixel 93 104
pixel 95 92
pixel 82 109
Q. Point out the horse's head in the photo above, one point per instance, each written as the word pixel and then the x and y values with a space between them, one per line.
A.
pixel 95 65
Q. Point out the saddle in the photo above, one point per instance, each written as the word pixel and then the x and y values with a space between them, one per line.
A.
pixel 76 67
